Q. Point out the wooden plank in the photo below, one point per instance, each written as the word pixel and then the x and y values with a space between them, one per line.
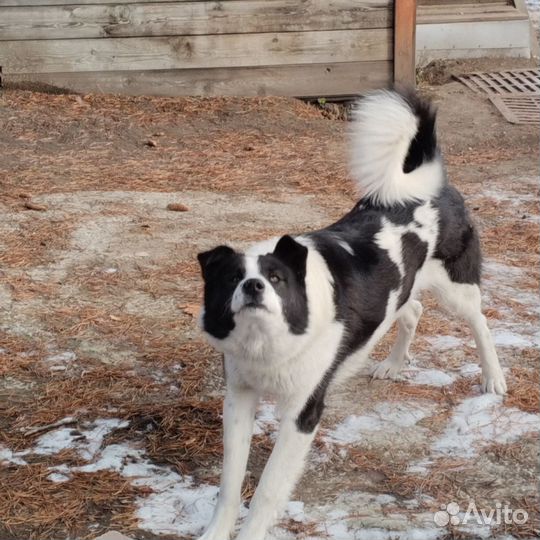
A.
pixel 465 8
pixel 424 57
pixel 453 2
pixel 467 12
pixel 404 43
pixel 511 15
pixel 238 50
pixel 190 18
pixel 313 80
pixel 23 3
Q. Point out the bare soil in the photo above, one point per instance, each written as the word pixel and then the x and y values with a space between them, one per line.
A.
pixel 99 289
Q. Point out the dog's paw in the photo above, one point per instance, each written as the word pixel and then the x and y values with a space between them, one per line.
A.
pixel 493 382
pixel 387 369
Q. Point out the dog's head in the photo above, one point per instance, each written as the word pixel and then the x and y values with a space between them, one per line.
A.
pixel 267 288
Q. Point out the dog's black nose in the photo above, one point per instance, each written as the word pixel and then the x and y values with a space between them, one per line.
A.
pixel 253 287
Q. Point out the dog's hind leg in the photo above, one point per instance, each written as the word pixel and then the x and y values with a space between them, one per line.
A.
pixel 464 300
pixel 407 322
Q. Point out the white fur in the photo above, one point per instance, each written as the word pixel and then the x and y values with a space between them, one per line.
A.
pixel 464 300
pixel 270 299
pixel 346 246
pixel 263 358
pixel 383 127
pixel 406 322
pixel 388 238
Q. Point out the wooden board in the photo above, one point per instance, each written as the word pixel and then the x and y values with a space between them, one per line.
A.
pixel 19 3
pixel 453 2
pixel 405 43
pixel 190 18
pixel 467 13
pixel 468 35
pixel 312 80
pixel 230 50
pixel 22 3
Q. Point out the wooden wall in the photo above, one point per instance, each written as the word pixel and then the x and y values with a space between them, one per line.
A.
pixel 243 47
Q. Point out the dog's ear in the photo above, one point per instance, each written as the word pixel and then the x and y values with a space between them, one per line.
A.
pixel 293 254
pixel 207 259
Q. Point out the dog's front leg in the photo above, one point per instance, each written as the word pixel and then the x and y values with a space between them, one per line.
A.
pixel 279 477
pixel 238 417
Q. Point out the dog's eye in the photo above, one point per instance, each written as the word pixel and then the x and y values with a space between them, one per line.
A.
pixel 236 279
pixel 274 278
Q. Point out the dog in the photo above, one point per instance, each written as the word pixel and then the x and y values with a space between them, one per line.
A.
pixel 293 316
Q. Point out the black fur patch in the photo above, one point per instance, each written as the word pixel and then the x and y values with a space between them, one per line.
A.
pixel 414 252
pixel 222 270
pixel 285 269
pixel 362 285
pixel 423 147
pixel 398 215
pixel 458 245
pixel 311 414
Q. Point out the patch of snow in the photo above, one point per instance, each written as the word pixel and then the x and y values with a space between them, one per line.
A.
pixel 432 377
pixel 336 527
pixel 7 456
pixel 442 343
pixel 483 420
pixel 374 533
pixel 86 442
pixel 176 506
pixel 58 478
pixel 470 370
pixel 295 511
pixel 385 498
pixel 178 509
pixel 506 338
pixel 66 356
pixel 501 270
pixel 501 279
pixel 473 529
pixel 112 457
pixel 384 416
pixel 61 473
pixel 56 441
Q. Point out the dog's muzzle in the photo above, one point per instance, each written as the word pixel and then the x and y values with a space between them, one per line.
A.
pixel 253 290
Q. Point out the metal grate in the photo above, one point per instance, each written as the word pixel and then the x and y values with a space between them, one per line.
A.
pixel 503 82
pixel 515 93
pixel 519 109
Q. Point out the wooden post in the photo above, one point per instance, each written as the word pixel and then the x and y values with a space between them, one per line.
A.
pixel 405 42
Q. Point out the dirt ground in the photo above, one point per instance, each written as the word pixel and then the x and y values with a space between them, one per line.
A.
pixel 109 397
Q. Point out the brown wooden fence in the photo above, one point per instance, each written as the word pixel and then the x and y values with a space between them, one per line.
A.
pixel 230 47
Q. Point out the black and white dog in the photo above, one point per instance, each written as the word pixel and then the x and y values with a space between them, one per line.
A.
pixel 295 315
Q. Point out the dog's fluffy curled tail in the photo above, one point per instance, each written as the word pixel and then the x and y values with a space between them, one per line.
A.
pixel 395 158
